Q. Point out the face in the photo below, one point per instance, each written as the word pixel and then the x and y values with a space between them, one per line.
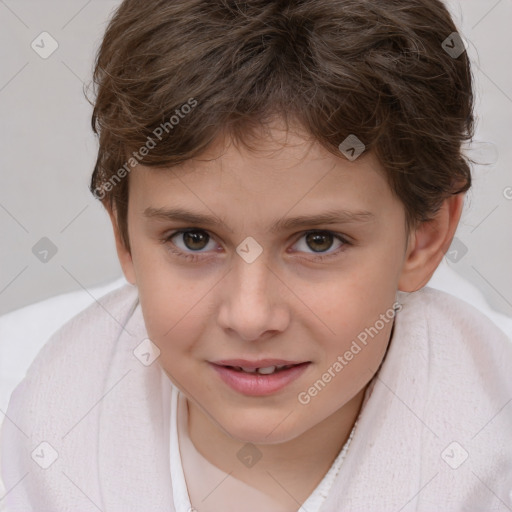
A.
pixel 249 283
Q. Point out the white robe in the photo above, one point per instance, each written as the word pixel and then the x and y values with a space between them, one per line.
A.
pixel 435 434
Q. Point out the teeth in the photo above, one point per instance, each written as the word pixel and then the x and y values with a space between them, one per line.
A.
pixel 248 370
pixel 262 371
pixel 268 370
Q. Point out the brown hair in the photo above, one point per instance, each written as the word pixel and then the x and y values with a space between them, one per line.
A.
pixel 178 73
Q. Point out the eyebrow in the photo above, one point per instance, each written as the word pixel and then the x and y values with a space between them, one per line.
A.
pixel 327 217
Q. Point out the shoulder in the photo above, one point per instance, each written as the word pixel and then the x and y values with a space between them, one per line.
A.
pixel 460 341
pixel 53 411
pixel 467 355
pixel 441 310
pixel 70 364
pixel 466 360
pixel 93 329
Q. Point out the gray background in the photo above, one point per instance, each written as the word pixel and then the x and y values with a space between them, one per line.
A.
pixel 48 153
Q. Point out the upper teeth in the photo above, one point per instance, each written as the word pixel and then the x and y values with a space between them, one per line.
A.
pixel 264 371
pixel 267 370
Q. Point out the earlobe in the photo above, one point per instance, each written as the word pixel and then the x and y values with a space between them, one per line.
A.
pixel 428 243
pixel 123 253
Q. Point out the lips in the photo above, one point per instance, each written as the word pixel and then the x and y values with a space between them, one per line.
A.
pixel 261 377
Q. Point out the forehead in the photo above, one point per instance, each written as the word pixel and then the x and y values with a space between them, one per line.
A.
pixel 282 172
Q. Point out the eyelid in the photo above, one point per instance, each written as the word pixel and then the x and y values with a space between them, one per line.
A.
pixel 340 236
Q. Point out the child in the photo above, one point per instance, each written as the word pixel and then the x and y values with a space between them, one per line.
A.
pixel 293 360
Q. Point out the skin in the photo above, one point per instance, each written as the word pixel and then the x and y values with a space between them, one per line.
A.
pixel 284 304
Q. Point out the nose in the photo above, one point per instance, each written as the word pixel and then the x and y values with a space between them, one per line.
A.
pixel 253 303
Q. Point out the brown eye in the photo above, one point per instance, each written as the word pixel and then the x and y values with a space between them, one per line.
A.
pixel 190 244
pixel 316 244
pixel 319 241
pixel 195 240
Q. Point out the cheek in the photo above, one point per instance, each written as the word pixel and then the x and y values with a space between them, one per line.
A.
pixel 164 294
pixel 354 298
pixel 173 317
pixel 360 326
pixel 349 363
pixel 358 311
pixel 175 310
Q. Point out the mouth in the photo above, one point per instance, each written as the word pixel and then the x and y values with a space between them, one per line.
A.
pixel 259 378
pixel 266 370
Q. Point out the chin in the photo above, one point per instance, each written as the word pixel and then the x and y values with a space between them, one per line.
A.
pixel 258 428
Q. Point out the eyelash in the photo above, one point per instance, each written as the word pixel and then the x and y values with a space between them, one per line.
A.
pixel 194 258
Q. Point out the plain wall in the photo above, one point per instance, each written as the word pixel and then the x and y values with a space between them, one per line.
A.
pixel 48 153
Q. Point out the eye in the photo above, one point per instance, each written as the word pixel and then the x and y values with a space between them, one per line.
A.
pixel 321 241
pixel 191 240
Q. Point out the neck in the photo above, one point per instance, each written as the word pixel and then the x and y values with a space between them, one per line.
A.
pixel 314 451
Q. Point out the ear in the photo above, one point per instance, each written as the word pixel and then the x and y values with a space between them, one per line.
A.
pixel 428 243
pixel 123 253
